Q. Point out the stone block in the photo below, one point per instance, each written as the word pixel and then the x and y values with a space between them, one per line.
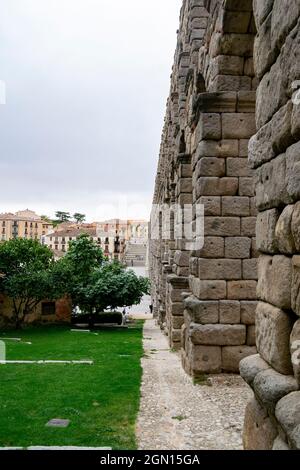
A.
pixel 227 269
pixel 295 290
pixel 251 366
pixel 253 209
pixel 275 280
pixel 213 248
pixel 296 122
pixel 293 172
pixel 270 387
pixel 228 83
pixel 259 431
pixel 235 21
pixel 232 355
pixel 232 44
pixel 205 359
pixel 220 149
pixel 238 167
pixel 243 148
pixel 248 312
pixel 249 269
pixel 251 336
pixel 184 185
pixel 175 294
pixel 220 335
pixel 264 55
pixel 265 231
pixel 295 226
pixel 246 187
pixel 212 205
pixel 214 186
pixel 246 102
pixel 175 337
pixel 273 330
pixel 211 166
pixel 288 414
pixel 249 67
pixel 177 308
pixel 199 311
pixel 295 350
pixel 242 290
pixel 282 23
pixel 283 231
pixel 222 226
pixel 230 312
pixel 211 290
pixel 227 65
pixel 280 444
pixel 177 322
pixel 248 226
pixel 261 10
pixel 182 258
pixel 237 247
pixel 238 125
pixel 271 188
pixel 235 206
pixel 209 127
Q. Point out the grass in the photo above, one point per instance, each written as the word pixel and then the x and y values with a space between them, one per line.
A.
pixel 202 379
pixel 179 418
pixel 101 401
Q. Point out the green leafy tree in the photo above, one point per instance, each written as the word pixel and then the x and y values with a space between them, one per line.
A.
pixel 26 269
pixel 111 286
pixel 94 283
pixel 62 216
pixel 80 218
pixel 83 257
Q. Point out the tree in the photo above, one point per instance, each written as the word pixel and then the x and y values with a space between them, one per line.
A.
pixel 26 269
pixel 80 218
pixel 62 216
pixel 83 257
pixel 111 286
pixel 46 218
pixel 94 283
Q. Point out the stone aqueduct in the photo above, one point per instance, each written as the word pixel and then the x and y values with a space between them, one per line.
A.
pixel 235 78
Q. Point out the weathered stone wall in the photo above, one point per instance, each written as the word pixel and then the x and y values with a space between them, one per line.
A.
pixel 206 298
pixel 273 417
pixel 63 311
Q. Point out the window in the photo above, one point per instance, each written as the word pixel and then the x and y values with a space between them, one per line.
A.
pixel 70 238
pixel 63 248
pixel 48 308
pixel 3 223
pixel 51 247
pixel 56 247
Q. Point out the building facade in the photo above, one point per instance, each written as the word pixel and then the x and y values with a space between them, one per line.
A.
pixel 230 146
pixel 113 246
pixel 23 224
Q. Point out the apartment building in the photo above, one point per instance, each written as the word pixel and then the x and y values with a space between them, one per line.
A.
pixel 23 224
pixel 59 240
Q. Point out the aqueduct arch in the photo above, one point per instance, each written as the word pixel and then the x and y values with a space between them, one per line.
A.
pixel 207 300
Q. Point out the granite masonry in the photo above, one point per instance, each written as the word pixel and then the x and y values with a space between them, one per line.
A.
pixel 231 144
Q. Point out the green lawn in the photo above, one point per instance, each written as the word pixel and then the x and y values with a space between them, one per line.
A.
pixel 101 400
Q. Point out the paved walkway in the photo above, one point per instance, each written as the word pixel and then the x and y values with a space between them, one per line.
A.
pixel 175 414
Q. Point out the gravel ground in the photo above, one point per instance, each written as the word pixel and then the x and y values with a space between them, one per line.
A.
pixel 175 414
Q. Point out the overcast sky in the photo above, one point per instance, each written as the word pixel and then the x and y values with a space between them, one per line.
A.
pixel 86 87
